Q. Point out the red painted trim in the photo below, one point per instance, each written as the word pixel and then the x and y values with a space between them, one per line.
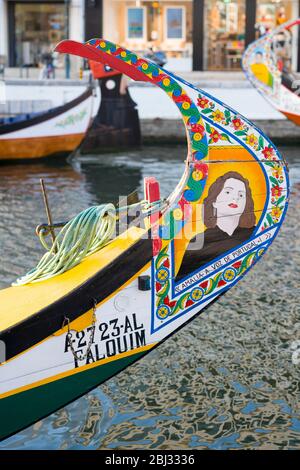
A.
pixel 98 70
pixel 294 23
pixel 91 53
pixel 152 194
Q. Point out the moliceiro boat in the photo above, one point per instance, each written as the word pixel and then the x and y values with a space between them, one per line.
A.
pixel 84 314
pixel 58 131
pixel 267 63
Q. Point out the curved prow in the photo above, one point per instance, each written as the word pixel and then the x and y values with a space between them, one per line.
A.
pixel 291 23
pixel 212 128
pixel 267 65
pixel 92 52
pixel 140 69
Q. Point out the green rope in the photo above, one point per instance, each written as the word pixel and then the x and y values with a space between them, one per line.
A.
pixel 86 233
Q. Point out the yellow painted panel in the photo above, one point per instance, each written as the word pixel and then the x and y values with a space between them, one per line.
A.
pixel 221 161
pixel 17 303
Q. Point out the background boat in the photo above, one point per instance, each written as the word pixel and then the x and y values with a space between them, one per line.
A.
pixel 58 131
pixel 267 63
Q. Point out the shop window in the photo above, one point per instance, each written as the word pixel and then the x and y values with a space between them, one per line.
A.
pixel 136 28
pixel 165 25
pixel 224 34
pixel 38 28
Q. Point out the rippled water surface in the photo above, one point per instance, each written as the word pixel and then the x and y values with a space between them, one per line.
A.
pixel 226 381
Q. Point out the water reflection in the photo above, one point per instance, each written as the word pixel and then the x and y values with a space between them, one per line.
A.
pixel 226 381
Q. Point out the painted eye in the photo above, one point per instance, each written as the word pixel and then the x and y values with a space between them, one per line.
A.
pixel 241 195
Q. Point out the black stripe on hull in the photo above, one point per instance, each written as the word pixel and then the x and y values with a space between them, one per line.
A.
pixel 52 113
pixel 50 319
pixel 141 356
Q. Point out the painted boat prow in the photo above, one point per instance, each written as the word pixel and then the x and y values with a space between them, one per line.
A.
pixel 265 70
pixel 145 288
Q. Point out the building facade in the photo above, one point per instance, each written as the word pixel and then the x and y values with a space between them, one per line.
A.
pixel 195 34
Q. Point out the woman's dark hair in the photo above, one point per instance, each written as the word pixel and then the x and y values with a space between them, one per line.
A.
pixel 247 218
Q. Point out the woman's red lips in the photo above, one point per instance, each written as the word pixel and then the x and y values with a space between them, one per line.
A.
pixel 234 206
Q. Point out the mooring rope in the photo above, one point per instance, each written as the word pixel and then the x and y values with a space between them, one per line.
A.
pixel 83 235
pixel 86 233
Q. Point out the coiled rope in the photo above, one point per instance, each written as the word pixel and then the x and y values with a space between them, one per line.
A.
pixel 86 233
pixel 83 235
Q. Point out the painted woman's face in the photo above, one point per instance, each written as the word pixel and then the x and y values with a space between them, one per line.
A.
pixel 232 199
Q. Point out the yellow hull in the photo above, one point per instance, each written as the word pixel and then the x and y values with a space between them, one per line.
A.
pixel 38 147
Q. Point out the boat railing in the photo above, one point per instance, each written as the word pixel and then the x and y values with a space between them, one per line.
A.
pixel 14 107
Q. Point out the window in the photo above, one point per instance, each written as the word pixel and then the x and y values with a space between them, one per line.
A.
pixel 136 23
pixel 140 24
pixel 175 23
